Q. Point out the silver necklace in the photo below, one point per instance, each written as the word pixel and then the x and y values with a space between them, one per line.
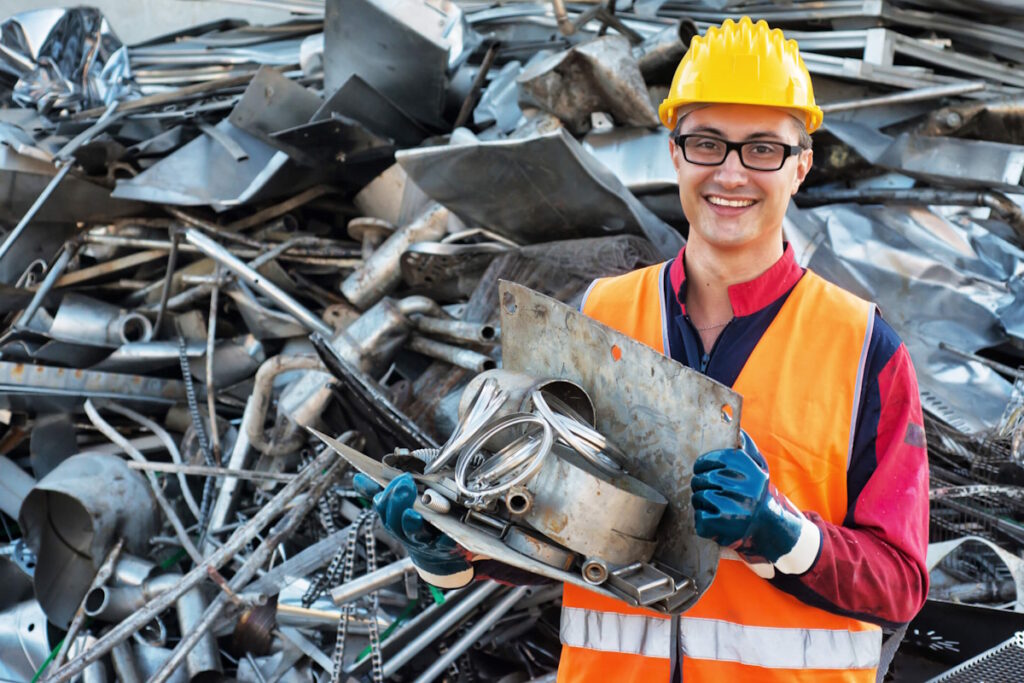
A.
pixel 712 327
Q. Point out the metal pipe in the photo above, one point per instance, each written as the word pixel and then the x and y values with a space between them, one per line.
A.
pixel 318 253
pixel 473 634
pixel 256 560
pixel 203 658
pixel 458 330
pixel 102 575
pixel 207 471
pixel 211 400
pixel 260 399
pixel 439 627
pixel 56 270
pixel 368 583
pixel 917 95
pixel 165 291
pixel 242 536
pixel 258 282
pixel 463 358
pixel 381 273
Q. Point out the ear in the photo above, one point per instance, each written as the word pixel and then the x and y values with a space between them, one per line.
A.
pixel 676 154
pixel 803 166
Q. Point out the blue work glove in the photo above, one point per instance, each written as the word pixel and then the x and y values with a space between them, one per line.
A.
pixel 736 505
pixel 438 559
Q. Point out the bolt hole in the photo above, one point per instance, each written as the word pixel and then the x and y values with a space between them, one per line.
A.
pixel 616 352
pixel 487 332
pixel 31 627
pixel 727 414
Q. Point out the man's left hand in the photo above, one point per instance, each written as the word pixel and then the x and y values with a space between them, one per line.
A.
pixel 736 505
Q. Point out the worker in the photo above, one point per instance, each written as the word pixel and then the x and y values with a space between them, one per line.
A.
pixel 822 511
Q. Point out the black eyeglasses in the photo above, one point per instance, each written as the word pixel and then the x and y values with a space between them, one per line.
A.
pixel 760 155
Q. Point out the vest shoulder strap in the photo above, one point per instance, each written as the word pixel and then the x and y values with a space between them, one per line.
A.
pixel 633 304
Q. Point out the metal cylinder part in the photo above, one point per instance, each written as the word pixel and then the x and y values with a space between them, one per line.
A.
pixel 595 571
pixel 72 518
pixel 435 501
pixel 381 273
pixel 125 668
pixel 84 320
pixel 458 331
pixel 584 509
pixel 459 357
pixel 370 232
pixel 518 500
pixel 368 583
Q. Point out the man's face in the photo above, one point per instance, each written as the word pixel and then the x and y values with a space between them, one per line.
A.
pixel 731 206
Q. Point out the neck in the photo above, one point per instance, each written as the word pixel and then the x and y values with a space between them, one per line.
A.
pixel 710 271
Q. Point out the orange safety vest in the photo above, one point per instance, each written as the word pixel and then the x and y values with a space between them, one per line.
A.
pixel 800 391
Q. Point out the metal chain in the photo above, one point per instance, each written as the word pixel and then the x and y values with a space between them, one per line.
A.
pixel 347 610
pixel 206 504
pixel 377 660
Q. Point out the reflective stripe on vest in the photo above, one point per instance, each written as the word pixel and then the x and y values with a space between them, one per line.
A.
pixel 801 389
pixel 768 647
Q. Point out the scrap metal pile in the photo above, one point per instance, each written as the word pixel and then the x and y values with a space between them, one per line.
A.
pixel 221 239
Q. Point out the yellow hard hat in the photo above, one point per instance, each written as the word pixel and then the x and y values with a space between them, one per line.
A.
pixel 742 63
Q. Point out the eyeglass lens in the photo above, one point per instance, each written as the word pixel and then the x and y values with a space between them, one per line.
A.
pixel 762 156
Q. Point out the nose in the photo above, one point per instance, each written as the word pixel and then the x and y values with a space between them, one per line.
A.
pixel 731 173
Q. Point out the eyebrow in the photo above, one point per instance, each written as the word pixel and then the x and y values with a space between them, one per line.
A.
pixel 761 134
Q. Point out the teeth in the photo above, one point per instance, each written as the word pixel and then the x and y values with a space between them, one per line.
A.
pixel 718 201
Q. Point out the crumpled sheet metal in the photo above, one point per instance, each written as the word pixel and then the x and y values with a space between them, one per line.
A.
pixel 940 160
pixel 64 59
pixel 597 76
pixel 639 157
pixel 936 279
pixel 534 190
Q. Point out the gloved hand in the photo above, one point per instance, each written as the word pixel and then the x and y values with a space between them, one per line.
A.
pixel 438 559
pixel 736 505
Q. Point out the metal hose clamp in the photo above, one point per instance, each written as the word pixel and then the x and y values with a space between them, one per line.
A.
pixel 534 455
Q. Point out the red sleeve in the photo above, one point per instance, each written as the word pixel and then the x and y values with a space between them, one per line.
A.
pixel 872 567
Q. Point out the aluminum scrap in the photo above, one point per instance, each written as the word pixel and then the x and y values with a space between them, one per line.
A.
pixel 227 235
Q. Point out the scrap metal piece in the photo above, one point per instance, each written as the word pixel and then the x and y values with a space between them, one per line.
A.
pixel 942 160
pixel 424 39
pixel 23 641
pixel 74 516
pixel 15 485
pixel 598 76
pixel 659 441
pixel 358 100
pixel 81 319
pixel 559 190
pixel 42 386
pixel 539 548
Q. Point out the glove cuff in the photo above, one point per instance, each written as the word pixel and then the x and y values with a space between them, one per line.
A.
pixel 456 580
pixel 804 552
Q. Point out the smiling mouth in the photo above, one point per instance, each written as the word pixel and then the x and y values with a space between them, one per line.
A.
pixel 733 203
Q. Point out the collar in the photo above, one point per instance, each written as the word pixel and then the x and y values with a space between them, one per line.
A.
pixel 746 297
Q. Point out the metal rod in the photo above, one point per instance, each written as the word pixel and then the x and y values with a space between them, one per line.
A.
pixel 227 494
pixel 165 292
pixel 463 358
pixel 439 627
pixel 206 471
pixel 248 569
pixel 917 95
pixel 995 365
pixel 272 212
pixel 368 583
pixel 211 338
pixel 258 282
pixel 61 262
pixel 473 634
pixel 238 541
pixel 319 251
pixel 474 89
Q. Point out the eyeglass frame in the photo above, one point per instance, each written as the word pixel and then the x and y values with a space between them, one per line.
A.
pixel 790 150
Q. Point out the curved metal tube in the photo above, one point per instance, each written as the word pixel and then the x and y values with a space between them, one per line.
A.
pixel 252 425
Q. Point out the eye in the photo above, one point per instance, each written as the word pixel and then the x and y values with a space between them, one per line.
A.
pixel 763 148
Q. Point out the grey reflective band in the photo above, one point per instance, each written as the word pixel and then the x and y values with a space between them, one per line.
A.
pixel 610 632
pixel 725 641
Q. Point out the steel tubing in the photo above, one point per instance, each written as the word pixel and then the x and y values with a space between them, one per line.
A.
pixel 252 423
pixel 481 626
pixel 258 282
pixel 439 627
pixel 459 357
pixel 381 272
pixel 368 583
pixel 242 536
pixel 458 330
pixel 227 493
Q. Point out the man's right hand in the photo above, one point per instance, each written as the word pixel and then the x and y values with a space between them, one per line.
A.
pixel 438 559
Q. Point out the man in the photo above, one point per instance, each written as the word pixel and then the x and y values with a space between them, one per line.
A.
pixel 822 513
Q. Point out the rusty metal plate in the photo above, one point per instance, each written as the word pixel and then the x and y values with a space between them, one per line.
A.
pixel 661 414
